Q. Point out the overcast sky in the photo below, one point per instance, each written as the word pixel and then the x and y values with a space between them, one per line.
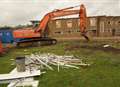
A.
pixel 14 12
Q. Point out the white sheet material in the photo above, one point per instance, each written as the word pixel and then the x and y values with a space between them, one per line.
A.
pixel 19 75
pixel 24 82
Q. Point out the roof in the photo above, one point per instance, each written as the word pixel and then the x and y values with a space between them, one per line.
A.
pixel 66 18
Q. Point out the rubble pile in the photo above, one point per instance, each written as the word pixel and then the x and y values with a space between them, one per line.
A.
pixel 46 60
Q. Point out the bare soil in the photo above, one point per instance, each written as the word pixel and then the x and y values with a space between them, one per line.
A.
pixel 98 47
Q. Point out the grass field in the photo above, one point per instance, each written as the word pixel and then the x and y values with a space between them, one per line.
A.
pixel 103 72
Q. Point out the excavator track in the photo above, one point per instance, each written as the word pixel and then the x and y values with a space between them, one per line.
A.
pixel 36 42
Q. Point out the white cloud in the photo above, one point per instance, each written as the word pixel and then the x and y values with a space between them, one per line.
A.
pixel 13 12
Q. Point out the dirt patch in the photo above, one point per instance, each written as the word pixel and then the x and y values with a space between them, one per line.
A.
pixel 99 47
pixel 106 49
pixel 69 48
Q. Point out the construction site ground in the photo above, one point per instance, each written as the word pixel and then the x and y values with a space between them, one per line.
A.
pixel 104 70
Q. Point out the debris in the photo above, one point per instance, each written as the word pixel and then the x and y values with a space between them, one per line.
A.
pixel 11 59
pixel 12 64
pixel 106 45
pixel 52 59
pixel 25 50
pixel 34 63
pixel 100 47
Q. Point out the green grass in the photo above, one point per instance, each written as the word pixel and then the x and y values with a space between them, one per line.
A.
pixel 103 72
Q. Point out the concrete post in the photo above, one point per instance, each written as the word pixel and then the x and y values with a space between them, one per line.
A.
pixel 20 64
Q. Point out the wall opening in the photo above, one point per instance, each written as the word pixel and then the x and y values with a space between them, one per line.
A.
pixel 113 32
pixel 58 24
pixel 69 23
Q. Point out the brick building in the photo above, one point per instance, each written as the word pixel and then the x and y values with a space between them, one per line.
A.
pixel 97 26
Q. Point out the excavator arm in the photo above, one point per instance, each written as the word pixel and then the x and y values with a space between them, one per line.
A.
pixel 65 12
pixel 83 21
pixel 43 23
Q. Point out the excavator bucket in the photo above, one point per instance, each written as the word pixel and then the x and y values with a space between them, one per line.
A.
pixel 85 36
pixel 83 21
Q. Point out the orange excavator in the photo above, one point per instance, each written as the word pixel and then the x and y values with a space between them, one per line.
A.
pixel 1 48
pixel 40 34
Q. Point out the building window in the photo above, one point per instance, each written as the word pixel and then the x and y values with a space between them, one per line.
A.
pixel 113 32
pixel 58 24
pixel 93 21
pixel 110 22
pixel 69 23
pixel 102 27
pixel 118 22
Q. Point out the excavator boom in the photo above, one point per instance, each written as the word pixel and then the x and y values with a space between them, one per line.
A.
pixel 59 13
pixel 65 12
